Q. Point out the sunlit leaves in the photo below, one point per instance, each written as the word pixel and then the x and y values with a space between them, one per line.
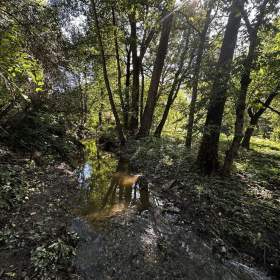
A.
pixel 20 72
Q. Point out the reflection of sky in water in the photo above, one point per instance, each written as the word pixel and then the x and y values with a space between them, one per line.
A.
pixel 85 174
pixel 107 186
pixel 87 171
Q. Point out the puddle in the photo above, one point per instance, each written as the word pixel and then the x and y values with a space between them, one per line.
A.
pixel 108 187
pixel 128 232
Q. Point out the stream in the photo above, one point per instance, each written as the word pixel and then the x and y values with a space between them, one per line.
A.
pixel 129 231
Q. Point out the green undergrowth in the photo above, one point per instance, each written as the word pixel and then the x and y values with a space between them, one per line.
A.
pixel 243 210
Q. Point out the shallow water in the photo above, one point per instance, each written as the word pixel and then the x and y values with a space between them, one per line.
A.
pixel 107 185
pixel 129 232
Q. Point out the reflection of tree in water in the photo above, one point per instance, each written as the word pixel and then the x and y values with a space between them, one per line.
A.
pixel 102 166
pixel 111 183
pixel 118 184
pixel 125 186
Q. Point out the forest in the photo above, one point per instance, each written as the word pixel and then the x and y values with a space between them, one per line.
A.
pixel 140 139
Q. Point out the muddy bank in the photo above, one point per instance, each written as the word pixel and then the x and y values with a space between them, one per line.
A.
pixel 129 238
pixel 133 246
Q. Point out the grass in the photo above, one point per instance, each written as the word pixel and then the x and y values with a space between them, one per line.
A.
pixel 261 162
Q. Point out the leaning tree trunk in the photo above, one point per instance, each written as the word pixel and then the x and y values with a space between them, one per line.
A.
pixel 119 70
pixel 207 158
pixel 106 77
pixel 254 118
pixel 178 78
pixel 200 51
pixel 241 101
pixel 171 98
pixel 147 118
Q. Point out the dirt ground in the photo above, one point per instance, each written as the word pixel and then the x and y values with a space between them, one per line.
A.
pixel 36 199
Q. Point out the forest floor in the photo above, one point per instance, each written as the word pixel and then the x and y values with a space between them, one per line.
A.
pixel 237 217
pixel 242 211
pixel 36 200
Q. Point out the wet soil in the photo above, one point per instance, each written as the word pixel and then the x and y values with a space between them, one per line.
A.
pixel 138 231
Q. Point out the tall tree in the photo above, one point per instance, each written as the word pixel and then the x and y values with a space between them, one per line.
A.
pixel 106 77
pixel 200 51
pixel 119 69
pixel 146 121
pixel 127 85
pixel 137 60
pixel 244 85
pixel 133 124
pixel 207 158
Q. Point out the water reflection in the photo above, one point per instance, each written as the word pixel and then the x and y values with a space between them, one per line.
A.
pixel 108 186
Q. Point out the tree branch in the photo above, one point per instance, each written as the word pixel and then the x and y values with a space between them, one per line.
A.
pixel 269 107
pixel 248 24
pixel 146 43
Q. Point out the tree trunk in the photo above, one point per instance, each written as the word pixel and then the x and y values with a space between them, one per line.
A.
pixel 147 119
pixel 241 101
pixel 175 86
pixel 254 118
pixel 240 109
pixel 200 52
pixel 106 78
pixel 119 70
pixel 127 89
pixel 100 112
pixel 134 117
pixel 142 93
pixel 171 97
pixel 207 159
pixel 247 137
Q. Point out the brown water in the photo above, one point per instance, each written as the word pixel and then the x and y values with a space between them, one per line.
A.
pixel 108 186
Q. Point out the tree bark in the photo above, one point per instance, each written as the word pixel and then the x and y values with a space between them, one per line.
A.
pixel 142 93
pixel 247 137
pixel 240 109
pixel 127 88
pixel 106 77
pixel 244 85
pixel 100 112
pixel 147 119
pixel 134 114
pixel 197 67
pixel 207 158
pixel 119 70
